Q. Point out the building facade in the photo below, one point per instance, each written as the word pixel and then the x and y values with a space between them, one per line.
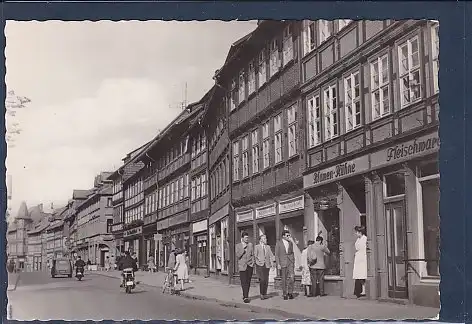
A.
pixel 372 151
pixel 17 237
pixel 118 211
pixel 94 217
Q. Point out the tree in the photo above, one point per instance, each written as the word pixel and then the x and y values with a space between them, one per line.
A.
pixel 13 103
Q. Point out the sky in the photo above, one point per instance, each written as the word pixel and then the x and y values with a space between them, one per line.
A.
pixel 99 90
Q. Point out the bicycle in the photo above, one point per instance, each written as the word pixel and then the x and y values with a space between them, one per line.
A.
pixel 169 281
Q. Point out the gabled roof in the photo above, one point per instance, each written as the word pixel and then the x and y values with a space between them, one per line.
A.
pixel 80 194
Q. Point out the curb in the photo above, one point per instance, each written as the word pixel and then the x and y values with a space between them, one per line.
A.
pixel 15 284
pixel 257 309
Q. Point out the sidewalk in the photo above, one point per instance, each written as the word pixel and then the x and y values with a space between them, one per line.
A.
pixel 13 279
pixel 301 307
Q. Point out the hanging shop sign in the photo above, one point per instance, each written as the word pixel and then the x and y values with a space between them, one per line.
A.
pixel 336 172
pixel 133 231
pixel 266 211
pixel 245 216
pixel 408 150
pixel 199 226
pixel 292 204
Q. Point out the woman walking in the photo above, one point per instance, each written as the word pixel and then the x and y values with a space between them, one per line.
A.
pixel 181 268
pixel 151 264
pixel 306 277
pixel 359 273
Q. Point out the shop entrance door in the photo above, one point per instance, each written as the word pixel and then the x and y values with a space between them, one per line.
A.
pixel 396 250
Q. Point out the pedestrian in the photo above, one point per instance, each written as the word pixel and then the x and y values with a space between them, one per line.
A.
pixel 171 261
pixel 306 278
pixel 285 260
pixel 245 257
pixel 264 261
pixel 151 264
pixel 181 268
pixel 107 264
pixel 135 257
pixel 359 272
pixel 316 254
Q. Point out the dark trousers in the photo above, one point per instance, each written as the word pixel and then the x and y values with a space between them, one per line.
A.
pixel 288 279
pixel 263 274
pixel 245 278
pixel 358 287
pixel 317 276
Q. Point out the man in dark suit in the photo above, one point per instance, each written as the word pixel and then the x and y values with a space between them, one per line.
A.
pixel 245 259
pixel 285 260
pixel 316 262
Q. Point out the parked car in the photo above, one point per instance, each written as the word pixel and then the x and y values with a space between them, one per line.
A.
pixel 61 267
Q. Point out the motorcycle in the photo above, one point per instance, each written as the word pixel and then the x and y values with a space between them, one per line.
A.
pixel 80 273
pixel 129 280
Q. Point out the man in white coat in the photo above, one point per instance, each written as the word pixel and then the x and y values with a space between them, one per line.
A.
pixel 359 273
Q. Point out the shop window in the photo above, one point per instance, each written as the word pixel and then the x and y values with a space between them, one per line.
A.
pixel 330 224
pixel 409 68
pixel 429 182
pixel 201 251
pixel 394 184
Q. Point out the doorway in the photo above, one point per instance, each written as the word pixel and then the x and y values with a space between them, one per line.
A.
pixel 396 250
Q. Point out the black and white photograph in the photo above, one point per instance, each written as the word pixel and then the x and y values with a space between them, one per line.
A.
pixel 225 170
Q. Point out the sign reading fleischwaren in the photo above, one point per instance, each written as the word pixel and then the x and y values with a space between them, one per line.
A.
pixel 336 172
pixel 414 148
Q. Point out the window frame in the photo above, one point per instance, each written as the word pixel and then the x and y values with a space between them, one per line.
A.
pixel 410 71
pixel 236 161
pixel 292 115
pixel 309 36
pixel 435 55
pixel 324 30
pixel 274 58
pixel 278 138
pixel 382 85
pixel 287 45
pixel 255 150
pixel 233 103
pixel 353 101
pixel 241 87
pixel 251 78
pixel 343 23
pixel 328 110
pixel 316 121
pixel 266 145
pixel 262 69
pixel 245 155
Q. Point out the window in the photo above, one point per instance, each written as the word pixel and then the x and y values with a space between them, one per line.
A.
pixel 343 23
pixel 242 88
pixel 181 187
pixel 172 193
pixel 266 145
pixel 198 185
pixel 226 171
pixel 232 96
pixel 352 99
pixel 262 72
pixel 245 156
pixel 251 79
pixel 109 225
pixel 255 151
pixel 193 189
pixel 379 87
pixel 309 37
pixel 435 52
pixel 410 84
pixel 428 177
pixel 292 130
pixel 235 161
pixel 325 30
pixel 394 184
pixel 314 121
pixel 278 137
pixel 274 58
pixel 330 113
pixel 287 45
pixel 186 184
pixel 204 184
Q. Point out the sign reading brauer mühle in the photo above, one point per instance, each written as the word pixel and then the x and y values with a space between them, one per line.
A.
pixel 414 148
pixel 245 216
pixel 265 211
pixel 336 172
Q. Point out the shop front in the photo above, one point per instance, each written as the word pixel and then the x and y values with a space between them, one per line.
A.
pixel 150 244
pixel 199 246
pixel 133 241
pixel 244 223
pixel 164 244
pixel 266 225
pixel 219 241
pixel 393 191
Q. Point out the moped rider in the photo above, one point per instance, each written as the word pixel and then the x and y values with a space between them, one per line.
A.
pixel 79 264
pixel 127 262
